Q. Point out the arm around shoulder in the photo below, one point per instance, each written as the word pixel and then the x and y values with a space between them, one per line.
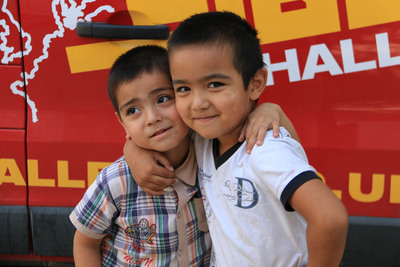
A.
pixel 327 222
pixel 151 171
pixel 265 117
pixel 86 251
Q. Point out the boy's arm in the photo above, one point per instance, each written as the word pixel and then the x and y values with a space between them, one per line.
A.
pixel 86 251
pixel 150 169
pixel 265 117
pixel 327 221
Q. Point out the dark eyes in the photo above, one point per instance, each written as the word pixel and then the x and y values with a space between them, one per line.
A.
pixel 215 84
pixel 160 100
pixel 182 89
pixel 163 99
pixel 132 110
pixel 212 85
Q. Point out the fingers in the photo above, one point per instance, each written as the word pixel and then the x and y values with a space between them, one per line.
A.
pixel 275 128
pixel 251 137
pixel 265 117
pixel 152 177
pixel 262 131
pixel 157 178
pixel 155 185
pixel 161 171
pixel 256 132
pixel 163 161
pixel 242 134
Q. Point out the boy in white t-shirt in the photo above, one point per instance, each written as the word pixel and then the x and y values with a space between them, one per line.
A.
pixel 264 209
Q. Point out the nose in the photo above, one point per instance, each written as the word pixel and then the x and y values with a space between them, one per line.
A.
pixel 153 115
pixel 200 100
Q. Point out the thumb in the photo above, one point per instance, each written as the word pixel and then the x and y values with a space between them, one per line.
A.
pixel 162 160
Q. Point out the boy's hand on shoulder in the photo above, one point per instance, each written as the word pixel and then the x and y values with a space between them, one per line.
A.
pixel 152 176
pixel 263 118
pixel 150 169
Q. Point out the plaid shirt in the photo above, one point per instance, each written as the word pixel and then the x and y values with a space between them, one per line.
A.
pixel 142 230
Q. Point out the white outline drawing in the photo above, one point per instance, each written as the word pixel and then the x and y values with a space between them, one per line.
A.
pixel 70 15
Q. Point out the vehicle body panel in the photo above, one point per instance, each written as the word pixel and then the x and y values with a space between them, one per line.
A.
pixel 334 68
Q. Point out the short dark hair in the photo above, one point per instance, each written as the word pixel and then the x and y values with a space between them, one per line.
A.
pixel 222 28
pixel 133 63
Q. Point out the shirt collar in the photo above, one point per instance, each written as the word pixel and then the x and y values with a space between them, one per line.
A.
pixel 187 171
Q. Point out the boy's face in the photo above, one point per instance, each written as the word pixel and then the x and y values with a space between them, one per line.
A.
pixel 148 112
pixel 209 91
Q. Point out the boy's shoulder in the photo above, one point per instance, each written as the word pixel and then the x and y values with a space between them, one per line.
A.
pixel 113 172
pixel 115 167
pixel 278 149
pixel 283 134
pixel 284 137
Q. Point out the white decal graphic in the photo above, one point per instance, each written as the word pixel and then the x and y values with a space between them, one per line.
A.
pixel 70 14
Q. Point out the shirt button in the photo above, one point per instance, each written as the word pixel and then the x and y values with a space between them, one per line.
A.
pixel 179 215
pixel 180 253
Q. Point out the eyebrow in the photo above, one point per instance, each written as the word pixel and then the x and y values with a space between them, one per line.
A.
pixel 203 79
pixel 152 92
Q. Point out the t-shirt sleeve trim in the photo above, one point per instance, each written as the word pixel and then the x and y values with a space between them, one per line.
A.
pixel 294 184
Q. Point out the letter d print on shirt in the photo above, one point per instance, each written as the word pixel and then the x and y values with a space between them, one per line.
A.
pixel 242 192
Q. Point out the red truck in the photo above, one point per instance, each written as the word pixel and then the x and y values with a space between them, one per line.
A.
pixel 334 68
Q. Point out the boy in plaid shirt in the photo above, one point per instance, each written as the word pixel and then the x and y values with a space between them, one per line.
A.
pixel 118 224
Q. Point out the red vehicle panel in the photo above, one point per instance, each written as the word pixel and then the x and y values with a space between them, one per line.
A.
pixel 14 183
pixel 344 104
pixel 334 68
pixel 12 102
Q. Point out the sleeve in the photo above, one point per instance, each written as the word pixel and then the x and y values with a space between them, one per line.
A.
pixel 282 165
pixel 95 213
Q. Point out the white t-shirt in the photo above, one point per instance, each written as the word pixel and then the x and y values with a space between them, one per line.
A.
pixel 245 198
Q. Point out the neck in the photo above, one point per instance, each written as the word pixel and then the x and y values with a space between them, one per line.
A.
pixel 229 140
pixel 177 155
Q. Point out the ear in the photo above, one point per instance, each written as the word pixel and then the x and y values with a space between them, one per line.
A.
pixel 123 125
pixel 257 84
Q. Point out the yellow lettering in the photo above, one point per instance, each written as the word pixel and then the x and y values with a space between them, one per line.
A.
pixel 63 176
pixel 89 57
pixel 395 189
pixel 363 13
pixel 378 181
pixel 281 20
pixel 93 168
pixel 293 5
pixel 153 11
pixel 338 193
pixel 15 176
pixel 33 175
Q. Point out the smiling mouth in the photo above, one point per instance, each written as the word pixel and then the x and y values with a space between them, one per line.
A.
pixel 160 132
pixel 205 119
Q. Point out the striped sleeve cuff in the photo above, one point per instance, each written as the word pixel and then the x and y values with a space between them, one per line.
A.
pixel 294 184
